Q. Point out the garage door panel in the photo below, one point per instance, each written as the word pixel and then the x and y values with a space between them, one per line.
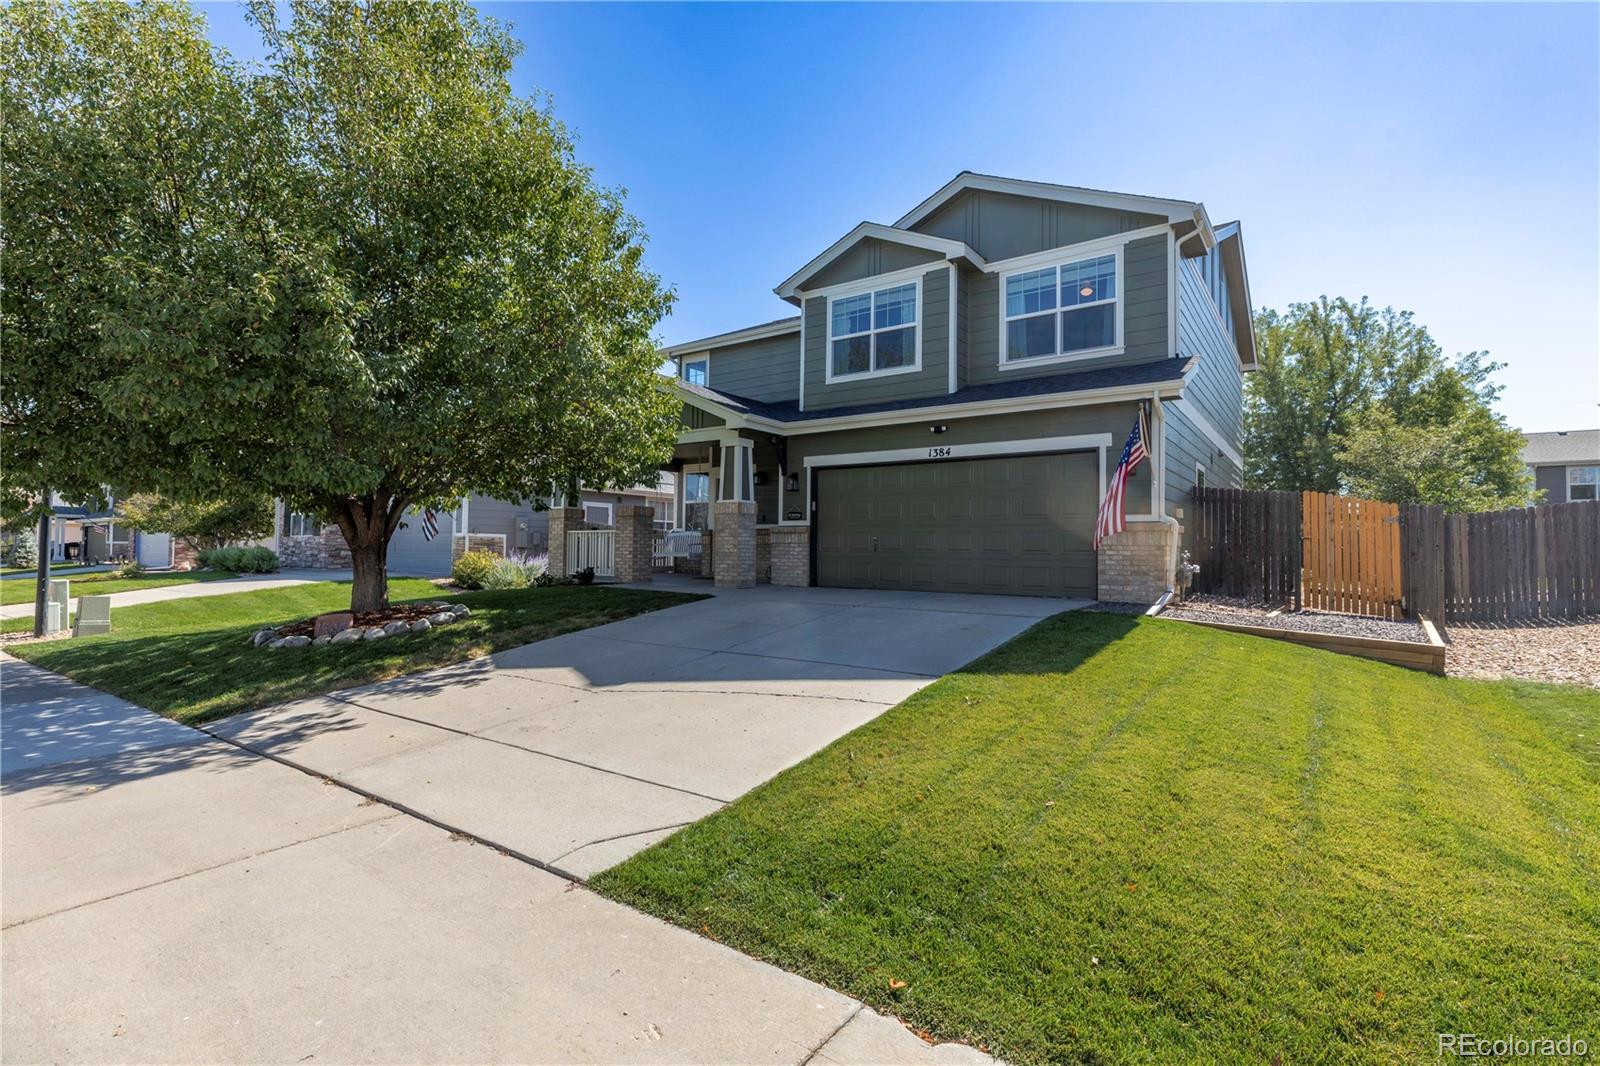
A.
pixel 1014 525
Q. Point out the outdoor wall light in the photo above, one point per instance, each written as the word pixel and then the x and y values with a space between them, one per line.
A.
pixel 937 429
pixel 792 483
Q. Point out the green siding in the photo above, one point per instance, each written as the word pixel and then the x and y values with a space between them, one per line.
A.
pixel 766 370
pixel 869 258
pixel 1002 226
pixel 1216 385
pixel 933 337
pixel 1186 445
pixel 1113 419
pixel 694 418
pixel 1144 284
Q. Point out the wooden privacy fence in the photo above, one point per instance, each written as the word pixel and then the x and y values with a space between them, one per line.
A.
pixel 1339 553
pixel 1503 567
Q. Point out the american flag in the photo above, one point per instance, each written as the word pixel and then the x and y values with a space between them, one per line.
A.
pixel 1113 509
pixel 430 524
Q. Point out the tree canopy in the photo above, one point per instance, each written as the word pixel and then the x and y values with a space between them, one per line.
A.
pixel 361 276
pixel 1350 398
pixel 198 523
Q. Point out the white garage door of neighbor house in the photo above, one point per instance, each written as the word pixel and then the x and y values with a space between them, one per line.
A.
pixel 155 549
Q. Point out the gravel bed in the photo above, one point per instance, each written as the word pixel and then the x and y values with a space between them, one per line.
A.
pixel 1346 625
pixel 1565 653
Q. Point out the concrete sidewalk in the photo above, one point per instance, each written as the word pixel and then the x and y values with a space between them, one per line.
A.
pixel 220 587
pixel 168 897
pixel 579 751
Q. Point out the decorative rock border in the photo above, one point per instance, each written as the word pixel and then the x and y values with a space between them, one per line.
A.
pixel 443 614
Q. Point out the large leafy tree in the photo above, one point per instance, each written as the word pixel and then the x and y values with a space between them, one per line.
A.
pixel 363 277
pixel 198 523
pixel 1351 398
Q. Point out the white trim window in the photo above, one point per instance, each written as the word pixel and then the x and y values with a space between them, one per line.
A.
pixel 301 525
pixel 698 371
pixel 597 512
pixel 874 332
pixel 1583 483
pixel 1199 476
pixel 1069 310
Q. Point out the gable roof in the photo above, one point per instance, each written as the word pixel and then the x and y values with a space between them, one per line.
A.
pixel 1174 210
pixel 776 328
pixel 1562 447
pixel 787 415
pixel 1230 244
pixel 950 249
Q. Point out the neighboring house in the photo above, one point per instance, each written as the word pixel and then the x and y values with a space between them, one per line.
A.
pixel 95 535
pixel 501 526
pixel 1565 463
pixel 945 409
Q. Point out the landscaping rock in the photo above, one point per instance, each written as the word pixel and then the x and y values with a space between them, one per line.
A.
pixel 421 625
pixel 437 605
pixel 396 627
pixel 443 618
pixel 461 610
pixel 263 636
pixel 290 642
pixel 317 642
pixel 326 625
pixel 348 636
pixel 374 633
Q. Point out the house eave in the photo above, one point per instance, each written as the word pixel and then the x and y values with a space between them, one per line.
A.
pixel 1174 210
pixel 793 286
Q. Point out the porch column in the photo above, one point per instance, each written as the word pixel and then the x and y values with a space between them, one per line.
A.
pixel 734 565
pixel 635 534
pixel 561 520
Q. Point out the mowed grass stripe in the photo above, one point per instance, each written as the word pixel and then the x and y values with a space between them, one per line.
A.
pixel 1270 850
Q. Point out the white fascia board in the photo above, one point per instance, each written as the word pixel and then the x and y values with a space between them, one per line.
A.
pixel 1175 210
pixel 738 336
pixel 791 287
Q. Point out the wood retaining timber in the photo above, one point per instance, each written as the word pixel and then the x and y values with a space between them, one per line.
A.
pixel 1413 655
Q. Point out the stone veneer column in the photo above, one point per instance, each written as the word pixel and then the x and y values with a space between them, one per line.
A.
pixel 634 549
pixel 791 556
pixel 1134 565
pixel 734 566
pixel 561 520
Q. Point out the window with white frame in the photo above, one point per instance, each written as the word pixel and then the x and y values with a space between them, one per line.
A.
pixel 598 514
pixel 696 499
pixel 301 525
pixel 873 332
pixel 1583 482
pixel 1061 310
pixel 1199 476
pixel 697 371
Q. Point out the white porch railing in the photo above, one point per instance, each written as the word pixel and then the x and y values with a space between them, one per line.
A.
pixel 592 547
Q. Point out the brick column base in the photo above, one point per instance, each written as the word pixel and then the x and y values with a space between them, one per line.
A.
pixel 561 520
pixel 1134 566
pixel 708 545
pixel 734 565
pixel 791 556
pixel 635 534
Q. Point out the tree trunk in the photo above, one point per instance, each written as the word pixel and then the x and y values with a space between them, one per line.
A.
pixel 370 589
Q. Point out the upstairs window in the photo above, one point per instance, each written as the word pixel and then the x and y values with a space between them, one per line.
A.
pixel 697 371
pixel 1057 311
pixel 1583 482
pixel 873 332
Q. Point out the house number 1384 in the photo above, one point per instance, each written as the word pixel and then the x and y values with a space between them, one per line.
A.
pixel 940 453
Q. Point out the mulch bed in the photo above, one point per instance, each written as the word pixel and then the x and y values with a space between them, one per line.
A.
pixel 400 612
pixel 1234 612
pixel 1562 652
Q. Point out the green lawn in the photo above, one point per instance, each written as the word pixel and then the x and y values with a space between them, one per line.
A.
pixel 107 583
pixel 54 567
pixel 1119 839
pixel 191 659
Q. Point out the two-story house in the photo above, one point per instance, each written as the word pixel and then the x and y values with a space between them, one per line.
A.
pixel 1565 463
pixel 944 410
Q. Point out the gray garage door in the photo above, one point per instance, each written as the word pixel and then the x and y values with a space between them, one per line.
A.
pixel 1021 526
pixel 411 554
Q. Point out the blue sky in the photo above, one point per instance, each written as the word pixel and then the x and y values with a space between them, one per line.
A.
pixel 1440 158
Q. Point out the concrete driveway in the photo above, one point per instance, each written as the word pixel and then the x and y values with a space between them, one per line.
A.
pixel 576 752
pixel 168 897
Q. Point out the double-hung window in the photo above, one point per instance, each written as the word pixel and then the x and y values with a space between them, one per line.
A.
pixel 301 525
pixel 873 332
pixel 697 371
pixel 1583 482
pixel 1068 309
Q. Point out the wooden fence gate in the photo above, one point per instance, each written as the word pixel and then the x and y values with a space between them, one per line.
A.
pixel 1352 555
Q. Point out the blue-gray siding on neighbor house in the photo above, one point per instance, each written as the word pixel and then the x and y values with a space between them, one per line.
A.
pixel 933 338
pixel 767 369
pixel 1002 226
pixel 1216 385
pixel 1144 283
pixel 868 259
pixel 1552 481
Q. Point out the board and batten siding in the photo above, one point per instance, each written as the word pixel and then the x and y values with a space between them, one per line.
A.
pixel 1216 385
pixel 762 370
pixel 1144 321
pixel 869 258
pixel 933 322
pixel 1113 419
pixel 1003 226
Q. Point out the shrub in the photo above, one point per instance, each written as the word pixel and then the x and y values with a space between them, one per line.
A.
pixel 257 560
pixel 24 550
pixel 584 576
pixel 472 569
pixel 129 568
pixel 515 572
